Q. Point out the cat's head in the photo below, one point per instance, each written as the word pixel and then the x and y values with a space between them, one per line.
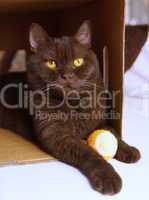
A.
pixel 67 61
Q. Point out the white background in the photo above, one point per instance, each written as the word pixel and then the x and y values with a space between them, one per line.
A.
pixel 137 12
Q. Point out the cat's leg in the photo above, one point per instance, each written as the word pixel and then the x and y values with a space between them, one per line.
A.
pixel 57 140
pixel 126 153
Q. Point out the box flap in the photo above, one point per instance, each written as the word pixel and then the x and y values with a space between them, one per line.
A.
pixel 16 150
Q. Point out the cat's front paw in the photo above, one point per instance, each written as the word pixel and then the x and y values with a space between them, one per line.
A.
pixel 105 180
pixel 127 153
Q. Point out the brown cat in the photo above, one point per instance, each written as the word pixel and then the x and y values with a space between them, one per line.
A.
pixel 69 69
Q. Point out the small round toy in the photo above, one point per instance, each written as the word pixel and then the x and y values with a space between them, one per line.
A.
pixel 103 142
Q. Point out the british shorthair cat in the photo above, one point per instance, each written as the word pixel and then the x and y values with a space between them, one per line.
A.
pixel 62 74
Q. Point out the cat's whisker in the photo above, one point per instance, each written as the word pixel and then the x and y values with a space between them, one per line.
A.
pixel 46 86
pixel 90 85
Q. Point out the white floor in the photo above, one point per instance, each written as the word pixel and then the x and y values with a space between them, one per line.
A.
pixel 55 181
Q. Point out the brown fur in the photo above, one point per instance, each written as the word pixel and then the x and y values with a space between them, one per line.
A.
pixel 64 139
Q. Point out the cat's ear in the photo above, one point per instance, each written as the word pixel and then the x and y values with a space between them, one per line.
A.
pixel 83 35
pixel 38 37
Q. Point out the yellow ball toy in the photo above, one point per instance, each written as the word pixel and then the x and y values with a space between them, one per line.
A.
pixel 103 142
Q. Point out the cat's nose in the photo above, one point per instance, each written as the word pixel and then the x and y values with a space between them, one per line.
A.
pixel 68 76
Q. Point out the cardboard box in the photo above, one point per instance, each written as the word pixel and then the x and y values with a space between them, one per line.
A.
pixel 62 17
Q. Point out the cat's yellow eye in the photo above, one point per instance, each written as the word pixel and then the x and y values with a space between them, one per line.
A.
pixel 51 64
pixel 78 62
